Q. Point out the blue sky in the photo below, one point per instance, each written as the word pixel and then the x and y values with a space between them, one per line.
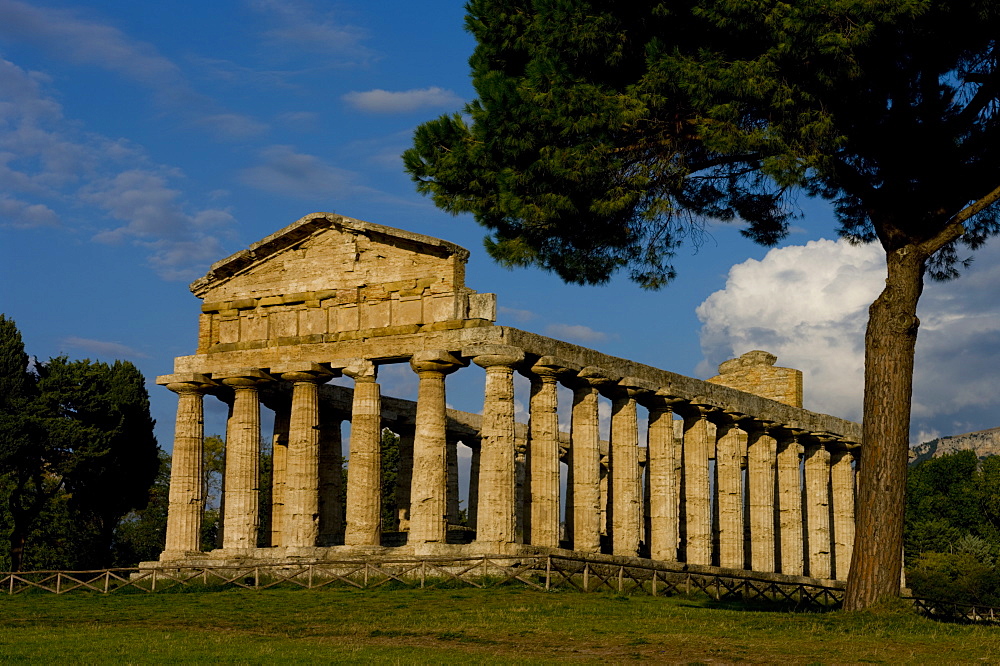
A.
pixel 140 142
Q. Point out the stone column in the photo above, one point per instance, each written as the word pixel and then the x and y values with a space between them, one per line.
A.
pixel 242 493
pixel 331 478
pixel 300 525
pixel 697 502
pixel 452 502
pixel 495 519
pixel 364 469
pixel 186 499
pixel 730 447
pixel 626 484
pixel 790 505
pixel 522 517
pixel 543 453
pixel 842 483
pixel 474 484
pixel 817 507
pixel 761 470
pixel 663 489
pixel 429 489
pixel 405 477
pixel 279 459
pixel 586 460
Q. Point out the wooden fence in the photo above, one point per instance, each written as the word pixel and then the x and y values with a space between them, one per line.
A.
pixel 542 572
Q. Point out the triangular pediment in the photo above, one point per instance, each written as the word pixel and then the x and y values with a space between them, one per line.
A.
pixel 325 251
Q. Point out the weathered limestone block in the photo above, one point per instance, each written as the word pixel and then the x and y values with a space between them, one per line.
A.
pixel 761 470
pixel 731 443
pixel 792 532
pixel 364 476
pixel 429 488
pixel 817 506
pixel 242 478
pixel 698 443
pixel 842 485
pixel 495 519
pixel 186 499
pixel 754 372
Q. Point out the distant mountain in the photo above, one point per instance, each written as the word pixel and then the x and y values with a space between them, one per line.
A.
pixel 984 443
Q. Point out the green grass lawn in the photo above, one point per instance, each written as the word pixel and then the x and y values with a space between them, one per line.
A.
pixel 498 626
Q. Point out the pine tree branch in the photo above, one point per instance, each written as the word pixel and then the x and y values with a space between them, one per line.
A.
pixel 955 227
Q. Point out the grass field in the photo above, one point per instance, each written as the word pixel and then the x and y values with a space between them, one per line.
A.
pixel 498 626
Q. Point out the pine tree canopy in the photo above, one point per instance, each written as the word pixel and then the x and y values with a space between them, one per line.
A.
pixel 606 133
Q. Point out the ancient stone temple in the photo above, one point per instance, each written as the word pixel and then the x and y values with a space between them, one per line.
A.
pixel 731 472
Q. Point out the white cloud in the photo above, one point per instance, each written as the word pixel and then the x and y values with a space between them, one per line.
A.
pixel 575 333
pixel 809 306
pixel 22 215
pixel 57 171
pixel 103 348
pixel 298 26
pixel 520 316
pixel 232 125
pixel 87 42
pixel 387 101
pixel 285 171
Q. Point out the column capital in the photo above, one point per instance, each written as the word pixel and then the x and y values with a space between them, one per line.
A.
pixel 489 356
pixel 243 377
pixel 593 377
pixel 637 387
pixel 551 368
pixel 302 372
pixel 183 384
pixel 361 370
pixel 438 360
pixel 188 382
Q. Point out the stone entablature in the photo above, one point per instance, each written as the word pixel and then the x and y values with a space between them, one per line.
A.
pixel 779 496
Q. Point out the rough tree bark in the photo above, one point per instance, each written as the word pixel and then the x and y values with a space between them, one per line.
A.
pixel 890 341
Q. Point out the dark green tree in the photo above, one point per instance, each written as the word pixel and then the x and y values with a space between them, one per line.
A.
pixel 604 134
pixel 390 472
pixel 104 450
pixel 76 451
pixel 141 533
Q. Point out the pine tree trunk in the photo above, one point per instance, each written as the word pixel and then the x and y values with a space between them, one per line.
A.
pixel 889 347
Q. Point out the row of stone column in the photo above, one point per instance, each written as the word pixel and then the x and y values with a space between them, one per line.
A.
pixel 759 514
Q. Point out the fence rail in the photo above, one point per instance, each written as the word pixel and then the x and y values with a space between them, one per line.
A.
pixel 542 572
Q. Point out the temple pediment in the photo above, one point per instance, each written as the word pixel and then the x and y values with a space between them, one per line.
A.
pixel 327 275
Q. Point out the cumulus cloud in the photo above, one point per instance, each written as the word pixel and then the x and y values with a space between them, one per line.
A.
pixel 809 306
pixel 404 101
pixel 51 169
pixel 103 348
pixel 575 333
